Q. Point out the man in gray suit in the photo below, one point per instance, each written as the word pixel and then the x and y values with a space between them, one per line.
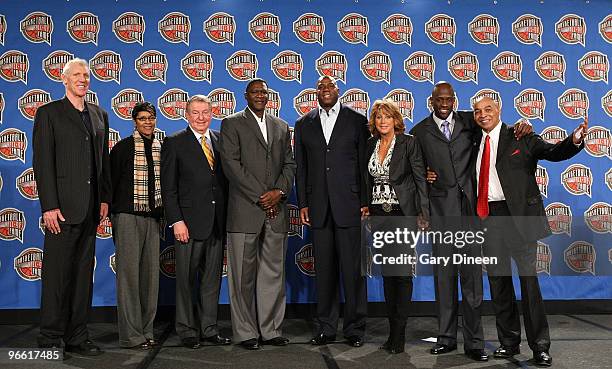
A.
pixel 258 161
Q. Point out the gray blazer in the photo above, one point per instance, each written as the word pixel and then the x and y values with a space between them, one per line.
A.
pixel 253 167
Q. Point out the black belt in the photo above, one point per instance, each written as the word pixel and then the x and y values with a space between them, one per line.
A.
pixel 386 207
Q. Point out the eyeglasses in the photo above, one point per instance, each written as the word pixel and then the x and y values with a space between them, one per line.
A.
pixel 144 119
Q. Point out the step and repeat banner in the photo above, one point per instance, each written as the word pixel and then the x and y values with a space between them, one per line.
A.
pixel 544 61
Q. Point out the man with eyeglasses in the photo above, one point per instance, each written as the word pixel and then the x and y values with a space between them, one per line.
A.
pixel 136 211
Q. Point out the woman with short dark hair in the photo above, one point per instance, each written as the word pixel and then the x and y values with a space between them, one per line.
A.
pixel 136 211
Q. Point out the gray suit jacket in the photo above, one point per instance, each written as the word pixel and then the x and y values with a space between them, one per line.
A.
pixel 253 167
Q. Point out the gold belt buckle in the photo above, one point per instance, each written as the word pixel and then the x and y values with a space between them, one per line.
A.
pixel 387 207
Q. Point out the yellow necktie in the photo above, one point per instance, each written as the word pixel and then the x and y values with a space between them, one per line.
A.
pixel 208 153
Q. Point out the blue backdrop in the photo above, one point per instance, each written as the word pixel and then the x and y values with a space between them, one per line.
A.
pixel 547 61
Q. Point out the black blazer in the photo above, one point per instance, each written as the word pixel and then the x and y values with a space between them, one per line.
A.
pixel 406 174
pixel 516 164
pixel 191 191
pixel 452 193
pixel 333 173
pixel 62 152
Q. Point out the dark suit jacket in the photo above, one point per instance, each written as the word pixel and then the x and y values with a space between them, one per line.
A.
pixel 253 167
pixel 452 193
pixel 191 191
pixel 332 174
pixel 516 165
pixel 406 174
pixel 62 152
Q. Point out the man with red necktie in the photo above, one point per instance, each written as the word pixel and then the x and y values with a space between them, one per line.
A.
pixel 512 212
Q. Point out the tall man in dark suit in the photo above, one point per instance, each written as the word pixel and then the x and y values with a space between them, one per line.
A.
pixel 71 166
pixel 193 193
pixel 504 176
pixel 258 162
pixel 330 151
pixel 446 140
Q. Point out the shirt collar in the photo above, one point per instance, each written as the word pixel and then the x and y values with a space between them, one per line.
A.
pixel 494 134
pixel 334 109
pixel 263 118
pixel 199 136
pixel 439 121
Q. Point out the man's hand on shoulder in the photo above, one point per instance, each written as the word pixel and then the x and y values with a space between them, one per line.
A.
pixel 522 128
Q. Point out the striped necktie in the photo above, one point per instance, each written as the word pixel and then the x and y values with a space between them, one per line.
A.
pixel 208 152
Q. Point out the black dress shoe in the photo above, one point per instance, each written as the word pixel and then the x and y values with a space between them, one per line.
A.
pixel 477 354
pixel 440 348
pixel 143 346
pixel 355 341
pixel 542 358
pixel 386 346
pixel 250 344
pixel 86 348
pixel 276 341
pixel 218 340
pixel 322 339
pixel 152 342
pixel 505 352
pixel 191 342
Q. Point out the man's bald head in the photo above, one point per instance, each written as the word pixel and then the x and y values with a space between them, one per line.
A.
pixel 442 99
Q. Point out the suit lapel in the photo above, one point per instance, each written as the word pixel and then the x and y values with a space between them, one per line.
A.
pixel 252 123
pixel 73 116
pixel 214 139
pixel 505 138
pixel 316 125
pixel 458 127
pixel 396 155
pixel 433 128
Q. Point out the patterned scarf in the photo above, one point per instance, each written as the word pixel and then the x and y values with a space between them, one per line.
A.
pixel 141 174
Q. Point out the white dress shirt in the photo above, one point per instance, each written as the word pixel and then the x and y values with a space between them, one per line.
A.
pixel 261 123
pixel 449 119
pixel 495 189
pixel 328 120
pixel 207 136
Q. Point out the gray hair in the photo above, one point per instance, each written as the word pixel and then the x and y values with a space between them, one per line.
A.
pixel 73 62
pixel 198 98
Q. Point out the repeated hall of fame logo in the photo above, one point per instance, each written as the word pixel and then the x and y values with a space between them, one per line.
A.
pixel 486 92
pixel 573 103
pixel 528 29
pixel 105 229
pixel 223 102
pixel 198 66
pixel 84 27
pixel 152 66
pixel 441 29
pixel 124 101
pixel 580 257
pixel 594 66
pixel 598 217
pixel 507 66
pixel 12 224
pixel 13 144
pixel 605 28
pixel 305 101
pixel 606 103
pixel 53 64
pixel 112 263
pixel 37 27
pixel 26 184
pixel 559 218
pixel 30 101
pixel 484 29
pixel 14 66
pixel 543 258
pixel 28 264
pixel 91 97
pixel 404 101
pixel 106 66
pixel 173 103
pixel 129 27
pixel 577 179
pixel 376 66
pixel 273 106
pixel 113 138
pixel 175 28
pixel 167 262
pixel 309 28
pixel 598 142
pixel 332 64
pixel 541 176
pixel 2 29
pixel 242 65
pixel 553 134
pixel 530 104
pixel 287 66
pixel 265 28
pixel 397 29
pixel 571 29
pixel 357 99
pixel 296 228
pixel 550 66
pixel 420 66
pixel 608 179
pixel 220 28
pixel 354 29
pixel 304 260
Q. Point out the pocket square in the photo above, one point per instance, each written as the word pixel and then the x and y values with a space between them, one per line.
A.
pixel 515 152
